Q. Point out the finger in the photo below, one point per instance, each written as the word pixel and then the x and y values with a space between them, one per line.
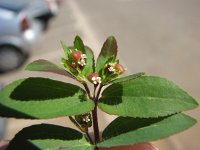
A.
pixel 3 144
pixel 142 146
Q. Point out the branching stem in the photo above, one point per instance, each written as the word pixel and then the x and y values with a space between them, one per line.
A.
pixel 87 90
pixel 95 116
pixel 94 98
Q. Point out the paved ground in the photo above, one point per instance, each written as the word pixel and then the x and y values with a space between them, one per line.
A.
pixel 158 37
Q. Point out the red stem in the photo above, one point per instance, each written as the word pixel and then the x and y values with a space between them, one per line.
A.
pixel 95 116
pixel 95 98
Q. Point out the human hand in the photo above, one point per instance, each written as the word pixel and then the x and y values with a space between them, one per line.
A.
pixel 142 146
pixel 3 144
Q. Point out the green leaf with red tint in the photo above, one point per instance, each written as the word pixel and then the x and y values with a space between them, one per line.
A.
pixel 78 44
pixel 47 66
pixel 66 49
pixel 90 62
pixel 108 50
pixel 126 78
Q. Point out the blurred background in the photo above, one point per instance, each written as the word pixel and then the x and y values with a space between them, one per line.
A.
pixel 154 36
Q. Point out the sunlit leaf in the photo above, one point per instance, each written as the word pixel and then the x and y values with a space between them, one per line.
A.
pixel 146 96
pixel 127 130
pixel 43 98
pixel 49 137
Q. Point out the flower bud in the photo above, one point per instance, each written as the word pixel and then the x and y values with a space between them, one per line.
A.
pixel 74 65
pixel 94 78
pixel 119 69
pixel 76 56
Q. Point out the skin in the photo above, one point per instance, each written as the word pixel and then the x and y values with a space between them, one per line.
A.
pixel 3 144
pixel 143 146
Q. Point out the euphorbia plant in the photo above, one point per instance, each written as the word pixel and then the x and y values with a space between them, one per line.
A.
pixel 149 107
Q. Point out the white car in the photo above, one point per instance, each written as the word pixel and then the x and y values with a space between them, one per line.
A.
pixel 18 31
pixel 42 10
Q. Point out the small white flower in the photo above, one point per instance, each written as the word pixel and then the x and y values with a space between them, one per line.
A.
pixel 111 69
pixel 86 119
pixel 82 62
pixel 96 80
pixel 83 56
pixel 93 78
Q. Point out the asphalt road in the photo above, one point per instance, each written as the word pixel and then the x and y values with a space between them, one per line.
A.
pixel 156 37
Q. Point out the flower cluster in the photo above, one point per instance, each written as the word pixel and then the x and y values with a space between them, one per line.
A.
pixel 84 120
pixel 113 68
pixel 75 62
pixel 95 78
pixel 79 58
pixel 109 72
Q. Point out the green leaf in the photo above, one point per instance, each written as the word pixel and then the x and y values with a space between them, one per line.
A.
pixel 90 63
pixel 66 49
pixel 126 131
pixel 35 98
pixel 144 97
pixel 126 78
pixel 51 137
pixel 108 50
pixel 78 44
pixel 69 67
pixel 47 66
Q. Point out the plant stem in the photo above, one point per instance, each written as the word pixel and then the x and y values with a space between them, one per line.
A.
pixel 98 93
pixel 87 90
pixel 95 125
pixel 95 116
pixel 95 99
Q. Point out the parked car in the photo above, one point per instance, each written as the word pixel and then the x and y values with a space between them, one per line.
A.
pixel 2 121
pixel 18 30
pixel 42 10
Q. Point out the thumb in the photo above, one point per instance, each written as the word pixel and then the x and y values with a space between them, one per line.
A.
pixel 3 144
pixel 142 146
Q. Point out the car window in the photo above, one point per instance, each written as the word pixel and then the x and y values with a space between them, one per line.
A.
pixel 12 5
pixel 6 14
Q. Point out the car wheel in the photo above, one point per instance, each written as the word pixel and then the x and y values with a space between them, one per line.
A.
pixel 10 58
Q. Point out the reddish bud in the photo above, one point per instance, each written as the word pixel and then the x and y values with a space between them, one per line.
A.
pixel 94 78
pixel 76 56
pixel 119 69
pixel 73 65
